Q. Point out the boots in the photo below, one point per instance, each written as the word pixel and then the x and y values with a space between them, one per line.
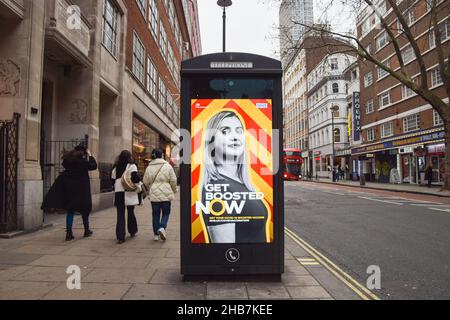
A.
pixel 87 232
pixel 69 235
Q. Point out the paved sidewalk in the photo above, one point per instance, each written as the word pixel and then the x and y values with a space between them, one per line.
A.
pixel 34 266
pixel 418 189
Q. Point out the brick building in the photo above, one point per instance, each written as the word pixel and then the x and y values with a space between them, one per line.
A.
pixel 400 130
pixel 105 73
pixel 158 39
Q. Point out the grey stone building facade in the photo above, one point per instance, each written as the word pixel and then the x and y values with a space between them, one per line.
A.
pixel 63 71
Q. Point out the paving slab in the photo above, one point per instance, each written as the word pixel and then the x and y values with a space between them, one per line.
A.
pixel 167 276
pixel 141 252
pixel 308 292
pixel 18 258
pixel 62 261
pixel 9 272
pixel 40 249
pixel 267 291
pixel 10 290
pixel 89 291
pixel 122 275
pixel 186 291
pixel 295 280
pixel 120 262
pixel 94 252
pixel 226 291
pixel 47 274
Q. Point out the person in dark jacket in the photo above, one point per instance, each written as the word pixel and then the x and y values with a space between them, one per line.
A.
pixel 72 189
pixel 123 198
pixel 429 175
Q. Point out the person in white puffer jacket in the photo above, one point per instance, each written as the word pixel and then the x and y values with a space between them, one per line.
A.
pixel 161 181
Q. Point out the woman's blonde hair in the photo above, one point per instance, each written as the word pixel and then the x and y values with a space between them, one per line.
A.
pixel 210 172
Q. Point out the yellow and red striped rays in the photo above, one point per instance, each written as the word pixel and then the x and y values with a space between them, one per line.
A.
pixel 256 115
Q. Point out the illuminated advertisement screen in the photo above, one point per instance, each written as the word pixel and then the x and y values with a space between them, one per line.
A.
pixel 231 171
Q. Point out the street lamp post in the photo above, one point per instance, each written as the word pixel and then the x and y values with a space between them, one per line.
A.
pixel 224 4
pixel 333 110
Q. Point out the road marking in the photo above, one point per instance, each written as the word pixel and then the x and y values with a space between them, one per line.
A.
pixel 354 285
pixel 438 209
pixel 308 262
pixel 332 192
pixel 379 200
pixel 427 204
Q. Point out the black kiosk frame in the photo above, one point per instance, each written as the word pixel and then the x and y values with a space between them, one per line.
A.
pixel 229 261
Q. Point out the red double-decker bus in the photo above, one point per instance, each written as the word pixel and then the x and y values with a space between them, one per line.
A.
pixel 292 164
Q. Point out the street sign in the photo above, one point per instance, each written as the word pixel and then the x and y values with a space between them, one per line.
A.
pixel 231 187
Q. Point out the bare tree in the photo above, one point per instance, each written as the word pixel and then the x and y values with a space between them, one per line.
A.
pixel 399 33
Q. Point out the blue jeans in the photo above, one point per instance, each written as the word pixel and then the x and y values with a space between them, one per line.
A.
pixel 69 220
pixel 161 213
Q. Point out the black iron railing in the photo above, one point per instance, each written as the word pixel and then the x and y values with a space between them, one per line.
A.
pixel 9 145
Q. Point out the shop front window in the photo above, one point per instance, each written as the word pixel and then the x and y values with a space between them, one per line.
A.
pixel 145 139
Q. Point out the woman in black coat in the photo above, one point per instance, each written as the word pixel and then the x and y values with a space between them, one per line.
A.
pixel 72 189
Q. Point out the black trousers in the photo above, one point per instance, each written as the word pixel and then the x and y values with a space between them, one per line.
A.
pixel 132 223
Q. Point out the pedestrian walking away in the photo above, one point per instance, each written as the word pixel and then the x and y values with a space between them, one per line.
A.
pixel 161 181
pixel 71 191
pixel 127 185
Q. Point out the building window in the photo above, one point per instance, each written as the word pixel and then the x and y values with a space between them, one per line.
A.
pixel 334 63
pixel 138 58
pixel 151 78
pixel 337 135
pixel 407 54
pixel 411 123
pixel 436 78
pixel 409 16
pixel 437 119
pixel 172 15
pixel 335 88
pixel 431 40
pixel 153 19
pixel 162 94
pixel 109 38
pixel 387 130
pixel 382 40
pixel 370 134
pixel 142 4
pixel 382 8
pixel 385 99
pixel 407 92
pixel 163 41
pixel 445 30
pixel 145 140
pixel 381 72
pixel 369 107
pixel 368 79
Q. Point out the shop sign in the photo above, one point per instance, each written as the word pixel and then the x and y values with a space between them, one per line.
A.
pixel 370 155
pixel 393 152
pixel 356 116
pixel 436 148
pixel 401 142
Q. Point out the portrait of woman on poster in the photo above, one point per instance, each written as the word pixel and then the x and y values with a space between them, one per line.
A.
pixel 225 163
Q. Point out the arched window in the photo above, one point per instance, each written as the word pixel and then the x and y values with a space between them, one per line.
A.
pixel 335 88
pixel 337 135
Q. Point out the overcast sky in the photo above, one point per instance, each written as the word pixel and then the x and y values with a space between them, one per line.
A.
pixel 252 25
